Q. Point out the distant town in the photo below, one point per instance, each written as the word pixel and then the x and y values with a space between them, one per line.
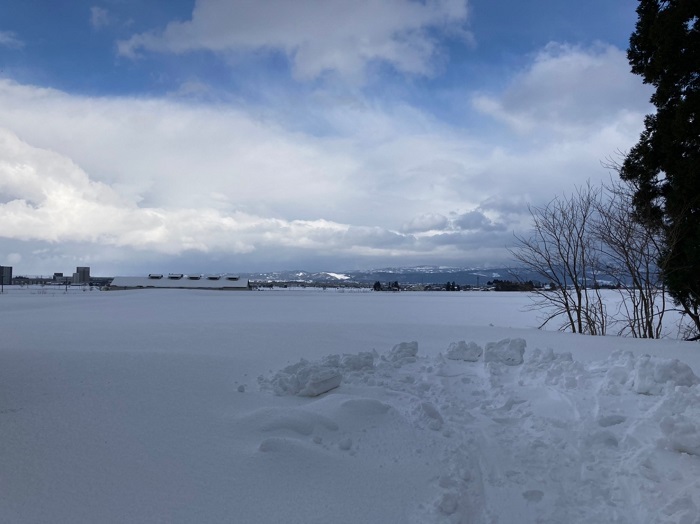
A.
pixel 80 277
pixel 423 278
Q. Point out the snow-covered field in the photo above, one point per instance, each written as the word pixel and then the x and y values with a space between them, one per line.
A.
pixel 182 406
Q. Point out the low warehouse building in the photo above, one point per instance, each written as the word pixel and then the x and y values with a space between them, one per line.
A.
pixel 180 281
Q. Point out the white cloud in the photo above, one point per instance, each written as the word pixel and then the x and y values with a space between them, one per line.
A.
pixel 99 17
pixel 375 168
pixel 9 39
pixel 318 35
pixel 569 89
pixel 48 198
pixel 163 153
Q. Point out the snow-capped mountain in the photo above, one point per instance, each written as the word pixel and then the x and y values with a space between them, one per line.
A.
pixel 403 275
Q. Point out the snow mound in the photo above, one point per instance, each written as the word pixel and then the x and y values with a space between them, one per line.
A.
pixel 403 353
pixel 679 420
pixel 682 433
pixel 618 371
pixel 507 351
pixel 462 351
pixel 311 379
pixel 655 375
pixel 645 375
pixel 560 369
pixel 306 379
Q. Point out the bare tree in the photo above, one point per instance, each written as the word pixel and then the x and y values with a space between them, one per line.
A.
pixel 592 239
pixel 564 251
pixel 630 253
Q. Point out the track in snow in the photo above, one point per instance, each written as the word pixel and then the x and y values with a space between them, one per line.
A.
pixel 549 440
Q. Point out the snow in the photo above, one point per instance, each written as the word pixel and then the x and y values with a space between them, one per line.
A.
pixel 338 276
pixel 506 351
pixel 186 406
pixel 462 351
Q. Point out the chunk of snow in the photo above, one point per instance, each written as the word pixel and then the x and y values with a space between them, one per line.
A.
pixel 310 379
pixel 404 352
pixel 654 375
pixel 306 379
pixel 320 381
pixel 507 351
pixel 462 351
pixel 362 361
pixel 683 434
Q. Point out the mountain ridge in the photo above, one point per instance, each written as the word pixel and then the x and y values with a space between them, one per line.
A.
pixel 403 275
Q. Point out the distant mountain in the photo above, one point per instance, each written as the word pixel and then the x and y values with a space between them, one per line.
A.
pixel 403 275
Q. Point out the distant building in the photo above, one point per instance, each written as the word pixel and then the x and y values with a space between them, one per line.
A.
pixel 81 275
pixel 5 275
pixel 59 278
pixel 180 281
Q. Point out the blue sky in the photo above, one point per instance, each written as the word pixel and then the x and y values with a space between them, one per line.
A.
pixel 225 135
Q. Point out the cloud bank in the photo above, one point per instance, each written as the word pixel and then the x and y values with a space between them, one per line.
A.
pixel 171 179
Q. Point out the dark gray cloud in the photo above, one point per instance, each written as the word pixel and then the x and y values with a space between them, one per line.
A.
pixel 477 221
pixel 426 222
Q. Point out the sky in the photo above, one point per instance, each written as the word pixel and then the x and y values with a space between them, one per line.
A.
pixel 259 135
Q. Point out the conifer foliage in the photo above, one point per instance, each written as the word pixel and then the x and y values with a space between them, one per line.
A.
pixel 664 166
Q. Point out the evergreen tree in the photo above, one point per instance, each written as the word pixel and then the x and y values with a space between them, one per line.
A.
pixel 664 165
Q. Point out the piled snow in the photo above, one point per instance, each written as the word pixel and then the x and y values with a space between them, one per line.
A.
pixel 310 379
pixel 506 351
pixel 402 353
pixel 148 411
pixel 462 351
pixel 538 438
pixel 653 375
